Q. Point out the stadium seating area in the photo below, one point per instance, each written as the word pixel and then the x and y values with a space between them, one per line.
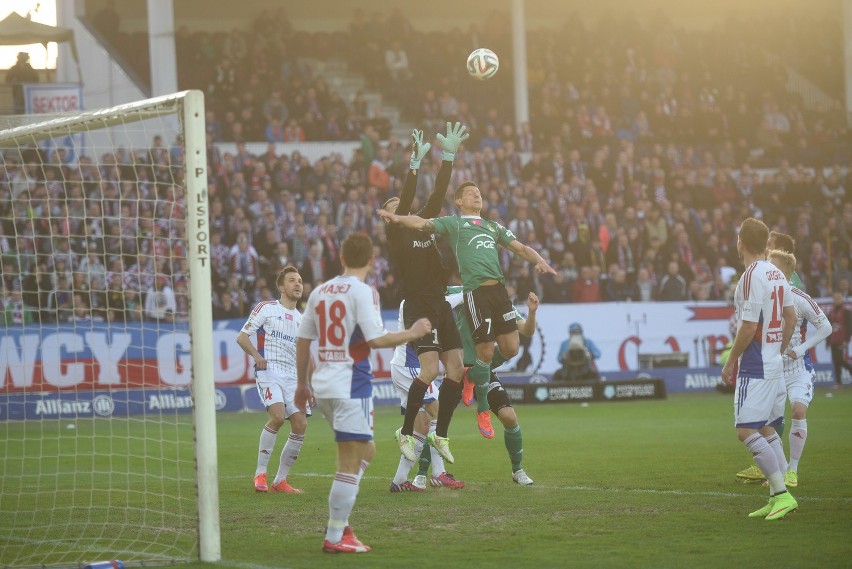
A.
pixel 639 162
pixel 590 84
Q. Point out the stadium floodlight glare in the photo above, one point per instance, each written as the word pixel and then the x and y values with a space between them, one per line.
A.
pixel 99 455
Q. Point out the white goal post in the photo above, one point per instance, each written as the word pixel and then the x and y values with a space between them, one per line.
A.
pixel 90 468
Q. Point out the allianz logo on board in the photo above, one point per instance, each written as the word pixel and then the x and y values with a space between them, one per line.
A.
pixel 55 407
pixel 167 401
pixel 702 380
pixel 101 405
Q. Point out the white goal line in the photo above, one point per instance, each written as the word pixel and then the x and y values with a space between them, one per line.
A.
pixel 608 490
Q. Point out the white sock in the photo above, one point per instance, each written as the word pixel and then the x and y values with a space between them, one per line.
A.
pixel 264 450
pixel 364 465
pixel 778 448
pixel 341 499
pixel 798 436
pixel 406 465
pixel 765 459
pixel 289 454
pixel 437 460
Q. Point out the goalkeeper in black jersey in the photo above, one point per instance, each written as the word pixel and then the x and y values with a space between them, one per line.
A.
pixel 424 280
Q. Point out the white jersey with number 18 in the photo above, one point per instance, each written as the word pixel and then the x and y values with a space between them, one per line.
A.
pixel 761 295
pixel 343 315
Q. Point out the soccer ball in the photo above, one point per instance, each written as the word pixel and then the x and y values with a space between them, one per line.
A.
pixel 482 63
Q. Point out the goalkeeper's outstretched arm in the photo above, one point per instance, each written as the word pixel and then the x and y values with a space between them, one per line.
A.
pixel 409 221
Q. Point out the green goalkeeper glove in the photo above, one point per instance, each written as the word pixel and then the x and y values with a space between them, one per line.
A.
pixel 456 134
pixel 418 150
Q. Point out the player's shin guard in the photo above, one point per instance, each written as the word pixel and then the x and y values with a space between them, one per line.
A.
pixel 480 375
pixel 412 406
pixel 515 446
pixel 364 465
pixel 774 442
pixel 765 459
pixel 424 461
pixel 341 500
pixel 264 451
pixel 449 396
pixel 289 454
pixel 798 436
pixel 481 394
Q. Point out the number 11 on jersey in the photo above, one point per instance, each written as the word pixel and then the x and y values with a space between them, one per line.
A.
pixel 773 334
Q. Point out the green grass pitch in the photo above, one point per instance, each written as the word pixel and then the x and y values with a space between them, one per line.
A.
pixel 641 484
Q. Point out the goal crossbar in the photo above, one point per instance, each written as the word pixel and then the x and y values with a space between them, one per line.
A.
pixel 88 120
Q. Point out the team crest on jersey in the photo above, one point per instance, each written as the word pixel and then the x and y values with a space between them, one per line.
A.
pixel 477 222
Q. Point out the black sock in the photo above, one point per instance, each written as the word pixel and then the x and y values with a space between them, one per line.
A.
pixel 449 396
pixel 415 400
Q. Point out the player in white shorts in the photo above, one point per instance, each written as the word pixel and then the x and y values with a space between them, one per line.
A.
pixel 405 368
pixel 275 376
pixel 782 242
pixel 766 317
pixel 344 318
pixel 798 367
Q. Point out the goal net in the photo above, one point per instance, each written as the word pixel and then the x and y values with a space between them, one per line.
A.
pixel 107 402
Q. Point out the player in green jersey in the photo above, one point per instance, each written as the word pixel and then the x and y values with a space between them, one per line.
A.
pixel 786 243
pixel 489 311
pixel 493 393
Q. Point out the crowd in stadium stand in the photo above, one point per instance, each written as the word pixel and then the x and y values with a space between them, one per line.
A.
pixel 640 160
pixel 612 80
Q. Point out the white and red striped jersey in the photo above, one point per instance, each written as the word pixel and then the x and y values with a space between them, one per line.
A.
pixel 761 295
pixel 280 326
pixel 343 315
pixel 806 311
